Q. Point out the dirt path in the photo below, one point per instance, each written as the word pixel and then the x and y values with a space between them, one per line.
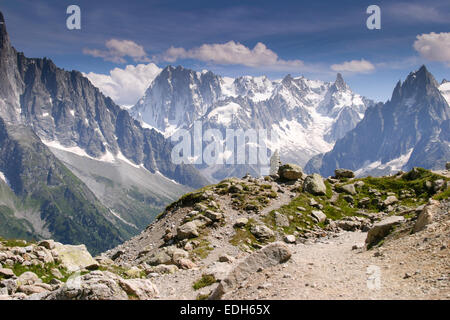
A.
pixel 409 268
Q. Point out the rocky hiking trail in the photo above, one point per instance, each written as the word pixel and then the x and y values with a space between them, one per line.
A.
pixel 286 236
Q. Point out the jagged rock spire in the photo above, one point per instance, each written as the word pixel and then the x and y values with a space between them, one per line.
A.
pixel 340 83
pixel 4 39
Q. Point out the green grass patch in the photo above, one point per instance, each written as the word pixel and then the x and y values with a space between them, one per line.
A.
pixel 205 281
pixel 44 273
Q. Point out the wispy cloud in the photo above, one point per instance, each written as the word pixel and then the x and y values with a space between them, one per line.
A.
pixel 232 53
pixel 354 66
pixel 117 50
pixel 434 46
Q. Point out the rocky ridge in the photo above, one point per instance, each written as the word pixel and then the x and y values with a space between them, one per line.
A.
pixel 240 237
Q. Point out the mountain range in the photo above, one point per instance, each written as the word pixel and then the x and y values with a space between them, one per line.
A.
pixel 411 129
pixel 308 116
pixel 78 168
pixel 59 131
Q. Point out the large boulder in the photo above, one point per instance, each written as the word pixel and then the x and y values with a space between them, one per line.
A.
pixel 269 256
pixel 28 278
pixel 382 229
pixel 97 285
pixel 314 184
pixel 427 215
pixel 390 200
pixel 349 188
pixel 343 173
pixel 75 258
pixel 187 230
pixel 290 172
pixel 159 257
pixel 141 289
pixel 262 232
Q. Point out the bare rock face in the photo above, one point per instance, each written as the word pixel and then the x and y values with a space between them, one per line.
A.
pixel 427 215
pixel 271 255
pixel 382 229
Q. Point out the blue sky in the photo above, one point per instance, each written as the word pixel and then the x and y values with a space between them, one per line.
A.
pixel 297 37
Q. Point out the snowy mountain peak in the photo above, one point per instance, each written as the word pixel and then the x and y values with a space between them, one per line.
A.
pixel 308 115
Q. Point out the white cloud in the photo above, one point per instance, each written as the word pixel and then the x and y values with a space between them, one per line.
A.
pixel 118 50
pixel 354 66
pixel 233 53
pixel 434 46
pixel 125 86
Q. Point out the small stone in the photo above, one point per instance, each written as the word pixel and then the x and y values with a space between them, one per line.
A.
pixel 6 273
pixel 318 215
pixel 241 222
pixel 226 258
pixel 289 238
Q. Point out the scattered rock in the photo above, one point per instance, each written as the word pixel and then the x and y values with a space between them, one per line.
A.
pixel 270 255
pixel 28 278
pixel 165 269
pixel 75 258
pixel 290 172
pixel 426 216
pixel 96 285
pixel 226 258
pixel 241 222
pixel 159 257
pixel 186 264
pixel 141 289
pixel 261 231
pixel 47 244
pixel 343 173
pixel 214 216
pixel 32 289
pixel 235 188
pixel 289 238
pixel 318 215
pixel 314 184
pixel 349 188
pixel 187 230
pixel 390 200
pixel 6 273
pixel 382 229
pixel 281 220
